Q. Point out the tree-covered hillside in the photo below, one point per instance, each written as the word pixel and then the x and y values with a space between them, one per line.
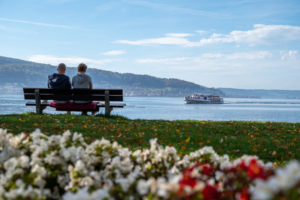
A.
pixel 25 73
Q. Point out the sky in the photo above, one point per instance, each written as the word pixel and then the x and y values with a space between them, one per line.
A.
pixel 247 44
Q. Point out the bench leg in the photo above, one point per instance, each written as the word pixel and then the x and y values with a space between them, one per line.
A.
pixel 84 113
pixel 38 107
pixel 107 107
pixel 43 108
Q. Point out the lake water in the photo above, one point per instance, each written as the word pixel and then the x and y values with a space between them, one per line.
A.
pixel 170 108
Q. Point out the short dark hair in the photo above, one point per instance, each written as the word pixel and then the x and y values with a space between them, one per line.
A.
pixel 62 66
pixel 82 67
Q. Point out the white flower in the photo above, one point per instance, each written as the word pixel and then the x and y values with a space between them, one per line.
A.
pixel 163 191
pixel 63 180
pixel 171 151
pixel 285 178
pixel 20 183
pixel 153 144
pixel 219 175
pixel 16 140
pixel 151 182
pixel 78 137
pixel 11 164
pixel 39 182
pixel 80 167
pixel 142 187
pixel 41 171
pixel 138 156
pixel 116 162
pixel 83 194
pixel 293 168
pixel 105 143
pixel 86 181
pixel 24 161
pixel 124 183
pixel 100 194
pixel 66 154
pixel 125 165
pixel 54 140
pixel 65 137
pixel 53 159
pixel 124 153
pixel 262 191
pixel 2 191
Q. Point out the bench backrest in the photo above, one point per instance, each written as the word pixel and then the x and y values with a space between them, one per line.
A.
pixel 74 94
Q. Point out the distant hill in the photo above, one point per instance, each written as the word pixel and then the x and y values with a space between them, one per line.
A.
pixel 265 94
pixel 19 73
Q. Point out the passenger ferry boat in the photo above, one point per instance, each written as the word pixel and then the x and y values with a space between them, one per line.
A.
pixel 204 99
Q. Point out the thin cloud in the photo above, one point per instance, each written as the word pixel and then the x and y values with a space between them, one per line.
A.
pixel 259 35
pixel 3 27
pixel 18 30
pixel 288 55
pixel 201 32
pixel 37 23
pixel 244 56
pixel 60 1
pixel 49 59
pixel 106 6
pixel 113 53
pixel 173 8
pixel 179 34
pixel 159 41
pixel 163 61
pixel 209 58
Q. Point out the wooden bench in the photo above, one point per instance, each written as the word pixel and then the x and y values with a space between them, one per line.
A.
pixel 106 95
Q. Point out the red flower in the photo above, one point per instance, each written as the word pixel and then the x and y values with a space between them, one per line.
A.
pixel 244 195
pixel 210 193
pixel 186 180
pixel 256 171
pixel 243 165
pixel 207 170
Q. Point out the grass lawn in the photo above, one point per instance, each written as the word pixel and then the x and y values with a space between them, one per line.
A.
pixel 271 141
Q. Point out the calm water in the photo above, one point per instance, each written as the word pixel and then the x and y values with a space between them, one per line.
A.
pixel 169 108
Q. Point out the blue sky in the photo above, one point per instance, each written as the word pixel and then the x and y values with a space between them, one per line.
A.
pixel 249 44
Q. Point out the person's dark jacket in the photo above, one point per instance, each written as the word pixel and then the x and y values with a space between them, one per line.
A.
pixel 59 81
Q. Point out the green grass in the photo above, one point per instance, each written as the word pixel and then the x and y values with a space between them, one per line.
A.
pixel 271 141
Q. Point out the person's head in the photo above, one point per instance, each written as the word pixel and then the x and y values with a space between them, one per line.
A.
pixel 82 68
pixel 61 69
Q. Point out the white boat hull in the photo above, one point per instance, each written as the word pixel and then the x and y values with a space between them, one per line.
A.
pixel 194 101
pixel 203 99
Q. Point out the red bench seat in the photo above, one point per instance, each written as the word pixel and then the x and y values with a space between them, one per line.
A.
pixel 70 106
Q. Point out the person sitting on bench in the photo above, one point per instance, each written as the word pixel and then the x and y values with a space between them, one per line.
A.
pixel 82 81
pixel 60 81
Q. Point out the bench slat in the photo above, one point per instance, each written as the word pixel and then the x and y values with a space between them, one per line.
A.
pixel 74 91
pixel 32 103
pixel 74 97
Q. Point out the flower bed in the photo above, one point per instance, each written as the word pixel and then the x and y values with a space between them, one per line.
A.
pixel 37 166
